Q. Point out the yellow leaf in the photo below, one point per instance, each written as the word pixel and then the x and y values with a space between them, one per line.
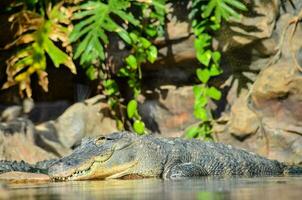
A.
pixel 24 39
pixel 22 77
pixel 43 80
pixel 8 84
pixel 25 85
pixel 69 63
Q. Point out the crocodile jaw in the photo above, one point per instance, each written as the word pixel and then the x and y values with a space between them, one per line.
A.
pixel 96 170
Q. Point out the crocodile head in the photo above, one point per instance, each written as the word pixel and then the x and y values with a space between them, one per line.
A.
pixel 102 157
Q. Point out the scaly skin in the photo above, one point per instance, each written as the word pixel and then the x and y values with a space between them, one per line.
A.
pixel 126 155
pixel 39 167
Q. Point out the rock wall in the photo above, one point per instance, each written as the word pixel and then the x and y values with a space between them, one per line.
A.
pixel 262 59
pixel 266 117
pixel 261 105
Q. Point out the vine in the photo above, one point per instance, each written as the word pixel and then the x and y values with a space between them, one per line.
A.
pixel 143 51
pixel 153 16
pixel 206 19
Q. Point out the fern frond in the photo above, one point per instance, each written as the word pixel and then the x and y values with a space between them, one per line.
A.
pixel 223 9
pixel 94 21
pixel 37 38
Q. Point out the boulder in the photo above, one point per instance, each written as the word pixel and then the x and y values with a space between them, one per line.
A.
pixel 17 142
pixel 88 118
pixel 243 121
pixel 169 110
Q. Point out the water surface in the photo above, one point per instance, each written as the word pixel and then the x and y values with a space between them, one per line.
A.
pixel 198 188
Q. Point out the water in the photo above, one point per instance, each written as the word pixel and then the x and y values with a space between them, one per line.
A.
pixel 200 188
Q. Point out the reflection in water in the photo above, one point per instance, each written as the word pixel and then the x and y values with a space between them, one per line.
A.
pixel 199 188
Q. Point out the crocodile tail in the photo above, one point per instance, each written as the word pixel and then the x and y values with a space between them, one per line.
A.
pixel 292 170
pixel 7 166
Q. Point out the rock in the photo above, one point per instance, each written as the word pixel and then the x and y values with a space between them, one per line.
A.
pixel 257 25
pixel 23 177
pixel 176 63
pixel 13 112
pixel 271 124
pixel 88 118
pixel 277 95
pixel 243 121
pixel 276 100
pixel 46 111
pixel 169 111
pixel 17 142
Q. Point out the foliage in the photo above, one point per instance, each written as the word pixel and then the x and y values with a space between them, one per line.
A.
pixel 143 51
pixel 36 36
pixel 95 19
pixel 78 31
pixel 153 16
pixel 206 19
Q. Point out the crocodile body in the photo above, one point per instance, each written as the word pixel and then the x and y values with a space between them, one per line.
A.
pixel 123 154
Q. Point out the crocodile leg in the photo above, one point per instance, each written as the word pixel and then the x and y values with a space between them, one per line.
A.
pixel 185 170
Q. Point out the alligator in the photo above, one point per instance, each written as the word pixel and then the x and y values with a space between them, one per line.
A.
pixel 127 155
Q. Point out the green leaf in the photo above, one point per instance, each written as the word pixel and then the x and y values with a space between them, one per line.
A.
pixel 223 9
pixel 124 35
pixel 133 37
pixel 216 26
pixel 136 91
pixel 131 61
pixel 132 82
pixel 111 87
pixel 216 57
pixel 214 93
pixel 205 57
pixel 204 130
pixel 215 70
pixel 95 19
pixel 127 17
pixel 119 125
pixel 236 4
pixel 123 72
pixel 112 102
pixel 132 108
pixel 209 8
pixel 192 132
pixel 201 113
pixel 152 54
pixel 202 101
pixel 203 75
pixel 229 11
pixel 202 42
pixel 146 43
pixel 58 56
pixel 197 90
pixel 151 31
pixel 139 127
pixel 29 2
pixel 91 72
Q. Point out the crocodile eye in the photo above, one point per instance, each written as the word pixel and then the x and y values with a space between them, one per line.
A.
pixel 100 140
